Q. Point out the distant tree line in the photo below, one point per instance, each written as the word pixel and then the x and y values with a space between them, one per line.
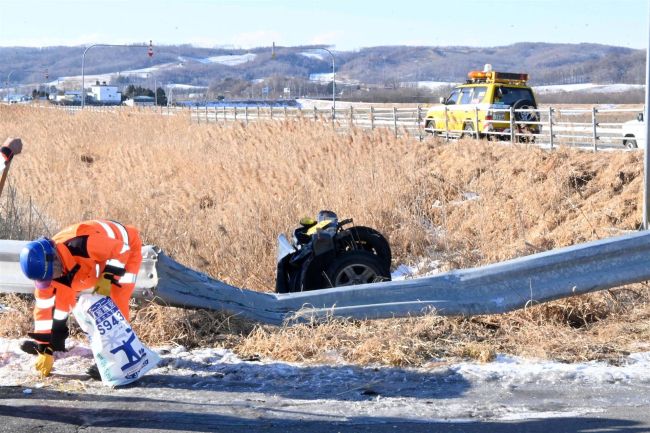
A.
pixel 132 91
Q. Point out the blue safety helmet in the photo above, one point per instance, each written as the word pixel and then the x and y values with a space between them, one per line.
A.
pixel 37 259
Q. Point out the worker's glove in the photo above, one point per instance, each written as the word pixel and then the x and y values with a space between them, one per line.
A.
pixel 44 361
pixel 103 286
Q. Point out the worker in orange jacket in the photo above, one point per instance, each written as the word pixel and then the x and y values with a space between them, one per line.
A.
pixel 97 256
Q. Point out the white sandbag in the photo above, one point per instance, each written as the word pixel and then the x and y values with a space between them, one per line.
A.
pixel 120 355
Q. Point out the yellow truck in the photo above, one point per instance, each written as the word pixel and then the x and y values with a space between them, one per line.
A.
pixel 481 107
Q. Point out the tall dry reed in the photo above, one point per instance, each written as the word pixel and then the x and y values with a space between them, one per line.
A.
pixel 216 196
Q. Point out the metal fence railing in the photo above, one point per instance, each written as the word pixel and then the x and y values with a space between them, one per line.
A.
pixel 593 127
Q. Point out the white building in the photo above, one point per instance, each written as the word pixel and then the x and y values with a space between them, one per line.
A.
pixel 105 94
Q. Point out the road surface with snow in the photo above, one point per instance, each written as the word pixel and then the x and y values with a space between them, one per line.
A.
pixel 214 390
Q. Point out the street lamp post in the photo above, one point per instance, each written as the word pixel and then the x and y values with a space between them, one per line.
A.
pixel 333 83
pixel 333 76
pixel 83 63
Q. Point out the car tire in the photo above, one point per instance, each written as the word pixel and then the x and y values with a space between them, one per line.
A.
pixel 525 104
pixel 372 241
pixel 430 124
pixel 468 131
pixel 630 142
pixel 356 267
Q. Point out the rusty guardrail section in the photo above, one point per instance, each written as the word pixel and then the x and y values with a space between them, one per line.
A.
pixel 491 289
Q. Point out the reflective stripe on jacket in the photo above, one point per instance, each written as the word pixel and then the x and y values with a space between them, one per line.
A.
pixel 87 250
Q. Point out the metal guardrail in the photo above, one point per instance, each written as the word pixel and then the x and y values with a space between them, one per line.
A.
pixel 492 289
pixel 12 279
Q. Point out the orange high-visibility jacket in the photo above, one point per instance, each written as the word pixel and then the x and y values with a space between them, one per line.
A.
pixel 87 250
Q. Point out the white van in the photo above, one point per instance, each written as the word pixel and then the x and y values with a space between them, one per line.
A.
pixel 634 132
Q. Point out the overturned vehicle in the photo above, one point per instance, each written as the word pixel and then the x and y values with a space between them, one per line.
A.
pixel 326 252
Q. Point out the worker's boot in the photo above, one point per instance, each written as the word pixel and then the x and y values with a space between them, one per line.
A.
pixel 29 346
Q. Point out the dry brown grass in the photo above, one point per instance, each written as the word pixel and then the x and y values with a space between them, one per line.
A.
pixel 215 197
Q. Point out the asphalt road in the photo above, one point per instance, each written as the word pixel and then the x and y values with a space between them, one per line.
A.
pixel 449 403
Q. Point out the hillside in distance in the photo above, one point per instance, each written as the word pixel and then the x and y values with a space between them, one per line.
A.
pixel 382 66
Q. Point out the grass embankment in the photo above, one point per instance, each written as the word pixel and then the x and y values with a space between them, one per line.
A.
pixel 215 197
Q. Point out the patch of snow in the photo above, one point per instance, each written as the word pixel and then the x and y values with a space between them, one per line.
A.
pixel 463 392
pixel 469 196
pixel 327 77
pixel 184 86
pixel 424 268
pixel 232 60
pixel 313 55
pixel 588 87
pixel 434 85
pixel 511 370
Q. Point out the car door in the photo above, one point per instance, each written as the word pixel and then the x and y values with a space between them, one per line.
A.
pixel 452 107
pixel 466 111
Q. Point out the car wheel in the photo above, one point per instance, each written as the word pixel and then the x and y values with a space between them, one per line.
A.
pixel 630 143
pixel 370 240
pixel 527 116
pixel 356 267
pixel 429 126
pixel 468 131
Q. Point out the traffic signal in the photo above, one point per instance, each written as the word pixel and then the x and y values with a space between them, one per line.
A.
pixel 150 50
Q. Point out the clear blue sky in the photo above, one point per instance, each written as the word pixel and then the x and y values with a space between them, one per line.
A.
pixel 342 24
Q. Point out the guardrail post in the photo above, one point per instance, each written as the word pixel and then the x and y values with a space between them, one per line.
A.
pixel 419 122
pixel 513 125
pixel 198 116
pixel 351 117
pixel 594 124
pixel 476 121
pixel 333 116
pixel 207 117
pixel 446 123
pixel 246 115
pixel 235 112
pixel 395 120
pixel 372 118
pixel 285 114
pixel 224 115
pixel 550 124
pixel 271 112
pixel 315 113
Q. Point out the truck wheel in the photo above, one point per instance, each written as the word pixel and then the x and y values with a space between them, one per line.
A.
pixel 356 267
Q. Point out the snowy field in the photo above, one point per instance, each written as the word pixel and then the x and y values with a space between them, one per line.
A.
pixel 509 388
